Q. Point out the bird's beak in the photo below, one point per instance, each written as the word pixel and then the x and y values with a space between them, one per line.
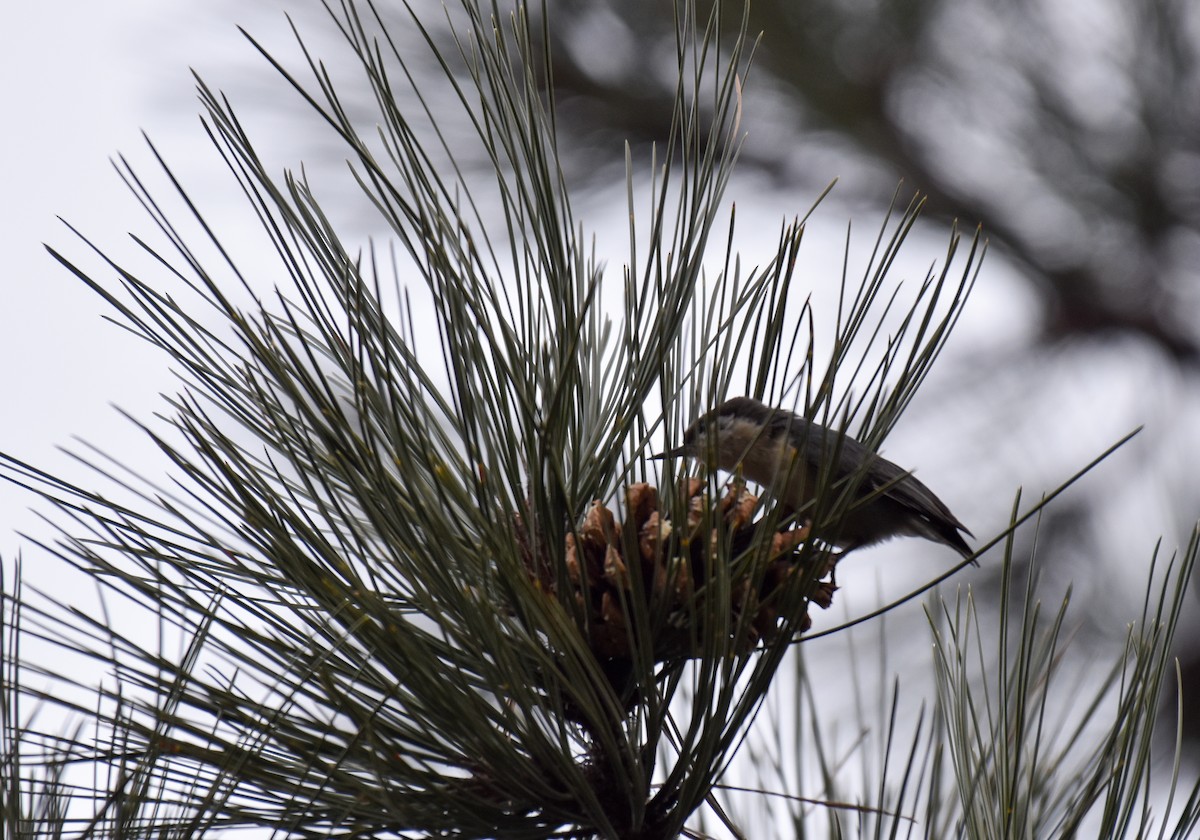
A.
pixel 680 452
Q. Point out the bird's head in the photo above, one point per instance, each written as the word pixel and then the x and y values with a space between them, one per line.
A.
pixel 722 436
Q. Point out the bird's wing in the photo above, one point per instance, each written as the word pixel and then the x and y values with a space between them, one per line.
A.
pixel 905 488
pixel 891 480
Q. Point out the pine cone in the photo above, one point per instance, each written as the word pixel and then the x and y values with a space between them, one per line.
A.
pixel 650 558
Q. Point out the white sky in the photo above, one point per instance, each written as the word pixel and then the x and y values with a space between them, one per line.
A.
pixel 79 82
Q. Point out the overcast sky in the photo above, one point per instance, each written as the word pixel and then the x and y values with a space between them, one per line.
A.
pixel 80 82
pixel 74 87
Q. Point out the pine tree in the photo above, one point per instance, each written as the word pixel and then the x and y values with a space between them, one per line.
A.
pixel 408 587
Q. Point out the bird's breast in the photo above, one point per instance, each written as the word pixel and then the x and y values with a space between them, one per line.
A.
pixel 787 477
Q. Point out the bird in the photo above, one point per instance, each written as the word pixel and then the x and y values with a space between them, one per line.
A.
pixel 788 455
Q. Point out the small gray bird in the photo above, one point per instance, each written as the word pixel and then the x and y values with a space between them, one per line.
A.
pixel 785 454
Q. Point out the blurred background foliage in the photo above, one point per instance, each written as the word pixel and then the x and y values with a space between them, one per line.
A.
pixel 1071 132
